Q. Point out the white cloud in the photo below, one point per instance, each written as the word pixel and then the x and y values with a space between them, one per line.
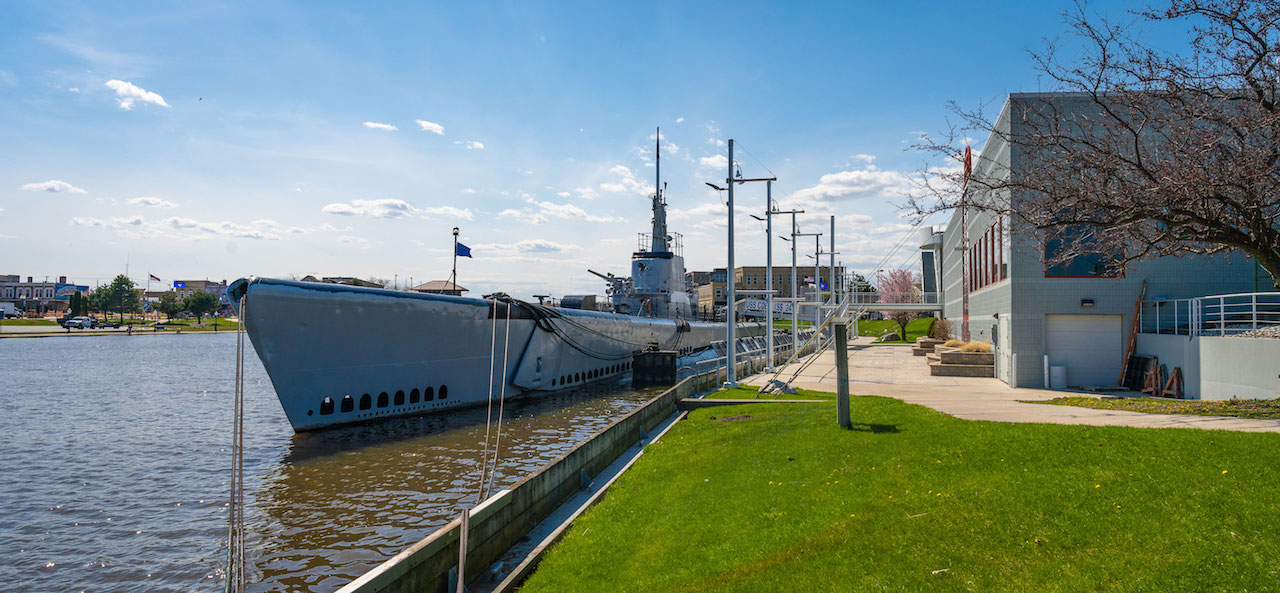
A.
pixel 128 93
pixel 428 126
pixel 718 161
pixel 297 230
pixel 679 120
pixel 448 212
pixel 392 208
pixel 153 202
pixel 563 194
pixel 53 186
pixel 176 228
pixel 529 246
pixel 472 145
pixel 587 193
pixel 627 182
pixel 333 229
pixel 468 190
pixel 383 208
pixel 377 126
pixel 866 158
pixel 360 242
pixel 699 211
pixel 861 183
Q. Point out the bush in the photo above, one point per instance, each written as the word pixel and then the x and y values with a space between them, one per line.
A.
pixel 976 347
pixel 941 330
pixel 953 343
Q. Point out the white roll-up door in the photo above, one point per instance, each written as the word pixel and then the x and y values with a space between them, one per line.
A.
pixel 1090 346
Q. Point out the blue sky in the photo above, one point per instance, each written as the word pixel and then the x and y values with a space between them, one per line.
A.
pixel 201 140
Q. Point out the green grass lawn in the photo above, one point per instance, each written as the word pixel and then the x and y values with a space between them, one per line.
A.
pixel 916 328
pixel 1240 408
pixel 913 500
pixel 749 392
pixel 22 322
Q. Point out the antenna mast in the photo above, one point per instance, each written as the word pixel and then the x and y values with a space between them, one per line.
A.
pixel 659 244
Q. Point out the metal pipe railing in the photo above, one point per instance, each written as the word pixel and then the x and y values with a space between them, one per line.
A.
pixel 1243 314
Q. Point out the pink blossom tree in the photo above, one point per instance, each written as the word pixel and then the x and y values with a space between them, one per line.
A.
pixel 899 286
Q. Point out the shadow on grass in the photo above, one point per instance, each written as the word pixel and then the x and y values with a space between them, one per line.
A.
pixel 875 428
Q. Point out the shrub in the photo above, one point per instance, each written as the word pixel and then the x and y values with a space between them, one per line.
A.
pixel 953 343
pixel 976 347
pixel 941 330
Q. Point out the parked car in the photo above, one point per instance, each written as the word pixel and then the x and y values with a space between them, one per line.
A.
pixel 104 322
pixel 78 322
pixel 65 318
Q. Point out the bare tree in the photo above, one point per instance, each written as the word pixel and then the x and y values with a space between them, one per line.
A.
pixel 1140 151
pixel 899 286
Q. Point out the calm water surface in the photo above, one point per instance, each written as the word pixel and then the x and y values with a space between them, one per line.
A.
pixel 114 469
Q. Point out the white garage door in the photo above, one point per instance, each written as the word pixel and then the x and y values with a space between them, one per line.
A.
pixel 1090 346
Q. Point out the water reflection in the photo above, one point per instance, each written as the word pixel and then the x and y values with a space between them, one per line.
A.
pixel 116 468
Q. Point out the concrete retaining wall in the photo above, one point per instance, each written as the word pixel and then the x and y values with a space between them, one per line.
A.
pixel 505 518
pixel 1217 367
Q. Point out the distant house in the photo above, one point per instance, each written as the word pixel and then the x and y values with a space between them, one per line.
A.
pixel 440 287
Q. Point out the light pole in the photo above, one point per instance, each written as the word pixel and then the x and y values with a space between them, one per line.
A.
pixel 769 264
pixel 453 278
pixel 730 342
pixel 817 276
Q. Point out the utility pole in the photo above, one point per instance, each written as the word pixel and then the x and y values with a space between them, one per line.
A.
pixel 817 277
pixel 730 342
pixel 769 280
pixel 453 277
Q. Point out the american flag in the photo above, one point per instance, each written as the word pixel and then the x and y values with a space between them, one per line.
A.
pixel 153 278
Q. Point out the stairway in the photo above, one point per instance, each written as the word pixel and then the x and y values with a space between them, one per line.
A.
pixel 950 362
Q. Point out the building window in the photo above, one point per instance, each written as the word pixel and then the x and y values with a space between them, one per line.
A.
pixel 1087 265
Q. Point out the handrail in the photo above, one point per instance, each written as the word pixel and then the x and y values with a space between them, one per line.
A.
pixel 1249 314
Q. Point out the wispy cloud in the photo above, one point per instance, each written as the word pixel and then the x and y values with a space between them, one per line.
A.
pixel 178 228
pixel 471 145
pixel 626 182
pixel 679 120
pixel 428 126
pixel 53 186
pixel 377 126
pixel 468 190
pixel 868 182
pixel 718 161
pixel 360 242
pixel 129 93
pixel 393 208
pixel 153 202
pixel 529 246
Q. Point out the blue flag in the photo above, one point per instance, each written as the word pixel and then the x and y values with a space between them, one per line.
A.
pixel 462 250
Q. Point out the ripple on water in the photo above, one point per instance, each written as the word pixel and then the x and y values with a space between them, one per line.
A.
pixel 116 468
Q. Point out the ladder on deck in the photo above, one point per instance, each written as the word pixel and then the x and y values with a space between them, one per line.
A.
pixel 1134 327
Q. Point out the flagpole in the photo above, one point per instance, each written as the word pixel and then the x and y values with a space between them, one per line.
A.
pixel 453 278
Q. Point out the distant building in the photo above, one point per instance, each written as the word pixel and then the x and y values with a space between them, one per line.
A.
pixel 710 298
pixel 697 279
pixel 755 278
pixel 347 280
pixel 186 288
pixel 38 297
pixel 440 287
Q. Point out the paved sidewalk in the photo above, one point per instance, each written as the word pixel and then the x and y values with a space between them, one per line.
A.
pixel 892 371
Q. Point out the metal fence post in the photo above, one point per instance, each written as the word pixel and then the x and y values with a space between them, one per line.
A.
pixel 842 374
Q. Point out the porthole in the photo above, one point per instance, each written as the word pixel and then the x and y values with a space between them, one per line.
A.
pixel 366 402
pixel 382 399
pixel 309 412
pixel 444 392
pixel 577 377
pixel 347 403
pixel 399 401
pixel 326 406
pixel 553 381
pixel 428 394
pixel 414 396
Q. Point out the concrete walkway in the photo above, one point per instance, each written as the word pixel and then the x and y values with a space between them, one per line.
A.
pixel 892 371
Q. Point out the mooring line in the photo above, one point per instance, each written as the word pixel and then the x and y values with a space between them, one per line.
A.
pixel 502 400
pixel 488 415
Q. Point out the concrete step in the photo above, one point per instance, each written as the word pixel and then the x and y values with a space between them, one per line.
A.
pixel 983 358
pixel 933 357
pixel 918 351
pixel 962 370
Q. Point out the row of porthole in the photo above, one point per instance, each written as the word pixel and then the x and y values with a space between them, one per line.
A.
pixel 366 401
pixel 591 374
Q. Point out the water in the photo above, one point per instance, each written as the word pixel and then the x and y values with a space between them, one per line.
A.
pixel 114 465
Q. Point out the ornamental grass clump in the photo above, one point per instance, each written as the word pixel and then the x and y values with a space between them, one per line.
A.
pixel 953 343
pixel 976 347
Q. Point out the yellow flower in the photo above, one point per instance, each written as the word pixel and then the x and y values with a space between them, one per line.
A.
pixel 1224 471
pixel 1097 485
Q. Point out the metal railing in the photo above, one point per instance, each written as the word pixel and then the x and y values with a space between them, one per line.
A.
pixel 872 298
pixel 1249 315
